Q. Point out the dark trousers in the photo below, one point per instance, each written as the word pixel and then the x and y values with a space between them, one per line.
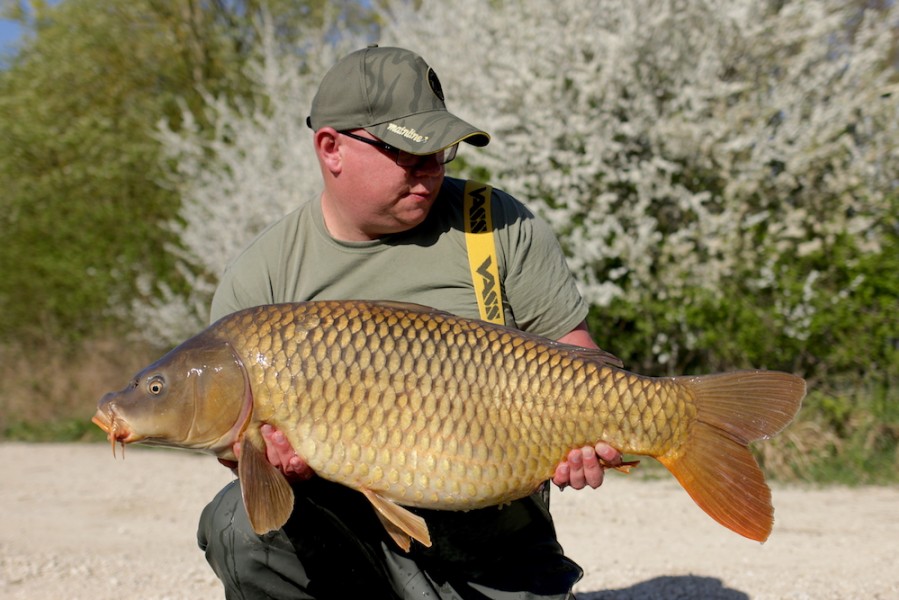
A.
pixel 333 546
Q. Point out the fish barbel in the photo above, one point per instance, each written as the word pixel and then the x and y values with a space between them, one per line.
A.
pixel 416 407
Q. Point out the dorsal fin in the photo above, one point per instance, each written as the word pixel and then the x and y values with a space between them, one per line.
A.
pixel 595 354
pixel 411 307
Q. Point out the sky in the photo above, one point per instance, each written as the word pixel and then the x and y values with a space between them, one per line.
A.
pixel 9 33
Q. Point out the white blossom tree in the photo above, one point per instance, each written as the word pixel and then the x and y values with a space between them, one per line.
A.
pixel 256 164
pixel 685 151
pixel 680 148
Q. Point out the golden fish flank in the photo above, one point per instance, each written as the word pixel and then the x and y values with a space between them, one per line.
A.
pixel 416 407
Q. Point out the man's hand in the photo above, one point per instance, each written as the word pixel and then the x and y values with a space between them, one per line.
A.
pixel 586 466
pixel 280 454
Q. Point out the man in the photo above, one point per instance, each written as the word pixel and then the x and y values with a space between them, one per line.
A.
pixel 388 225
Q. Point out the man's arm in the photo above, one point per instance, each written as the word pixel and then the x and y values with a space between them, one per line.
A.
pixel 579 336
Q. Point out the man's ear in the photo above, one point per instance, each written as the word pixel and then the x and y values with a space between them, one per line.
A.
pixel 327 146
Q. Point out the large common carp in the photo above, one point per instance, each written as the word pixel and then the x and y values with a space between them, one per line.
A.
pixel 416 407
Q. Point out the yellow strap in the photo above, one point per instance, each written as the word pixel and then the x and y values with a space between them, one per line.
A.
pixel 482 252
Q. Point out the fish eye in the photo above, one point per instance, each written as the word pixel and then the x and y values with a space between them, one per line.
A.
pixel 155 385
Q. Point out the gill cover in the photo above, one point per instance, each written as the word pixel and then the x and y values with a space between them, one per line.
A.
pixel 196 396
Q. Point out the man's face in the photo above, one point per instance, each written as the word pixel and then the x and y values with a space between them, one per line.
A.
pixel 375 195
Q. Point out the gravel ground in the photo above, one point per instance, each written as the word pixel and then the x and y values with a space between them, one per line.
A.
pixel 77 524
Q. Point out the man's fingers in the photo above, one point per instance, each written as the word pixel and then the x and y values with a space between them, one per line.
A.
pixel 593 470
pixel 586 466
pixel 562 475
pixel 576 477
pixel 609 455
pixel 282 454
pixel 299 469
pixel 277 448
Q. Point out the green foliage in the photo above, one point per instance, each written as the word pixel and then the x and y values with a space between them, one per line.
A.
pixel 66 430
pixel 83 212
pixel 860 427
pixel 81 208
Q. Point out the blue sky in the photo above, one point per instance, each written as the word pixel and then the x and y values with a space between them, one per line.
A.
pixel 10 30
pixel 9 33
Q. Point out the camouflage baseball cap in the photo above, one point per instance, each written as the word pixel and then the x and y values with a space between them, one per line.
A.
pixel 393 94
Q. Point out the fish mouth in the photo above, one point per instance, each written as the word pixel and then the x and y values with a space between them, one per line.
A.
pixel 116 430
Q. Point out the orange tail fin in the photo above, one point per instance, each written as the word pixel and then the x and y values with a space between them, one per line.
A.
pixel 714 463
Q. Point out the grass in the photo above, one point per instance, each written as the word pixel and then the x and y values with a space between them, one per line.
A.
pixel 69 430
pixel 847 432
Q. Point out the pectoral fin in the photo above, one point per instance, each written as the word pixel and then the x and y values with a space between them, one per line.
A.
pixel 266 494
pixel 402 525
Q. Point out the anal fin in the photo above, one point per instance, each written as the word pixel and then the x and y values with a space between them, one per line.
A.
pixel 402 524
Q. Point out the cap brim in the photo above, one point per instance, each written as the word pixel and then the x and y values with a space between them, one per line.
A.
pixel 428 132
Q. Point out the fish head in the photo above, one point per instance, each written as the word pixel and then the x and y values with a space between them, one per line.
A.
pixel 197 396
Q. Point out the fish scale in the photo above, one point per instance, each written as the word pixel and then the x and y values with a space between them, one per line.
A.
pixel 416 407
pixel 402 367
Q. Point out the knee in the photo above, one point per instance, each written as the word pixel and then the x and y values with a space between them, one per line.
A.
pixel 219 516
pixel 225 534
pixel 243 560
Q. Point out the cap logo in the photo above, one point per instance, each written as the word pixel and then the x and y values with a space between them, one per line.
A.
pixel 435 84
pixel 407 133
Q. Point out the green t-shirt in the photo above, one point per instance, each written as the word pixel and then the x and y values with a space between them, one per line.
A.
pixel 296 259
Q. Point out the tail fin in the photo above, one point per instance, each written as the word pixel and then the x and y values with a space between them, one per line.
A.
pixel 714 464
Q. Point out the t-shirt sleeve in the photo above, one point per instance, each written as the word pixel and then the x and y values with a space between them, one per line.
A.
pixel 241 286
pixel 248 279
pixel 539 286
